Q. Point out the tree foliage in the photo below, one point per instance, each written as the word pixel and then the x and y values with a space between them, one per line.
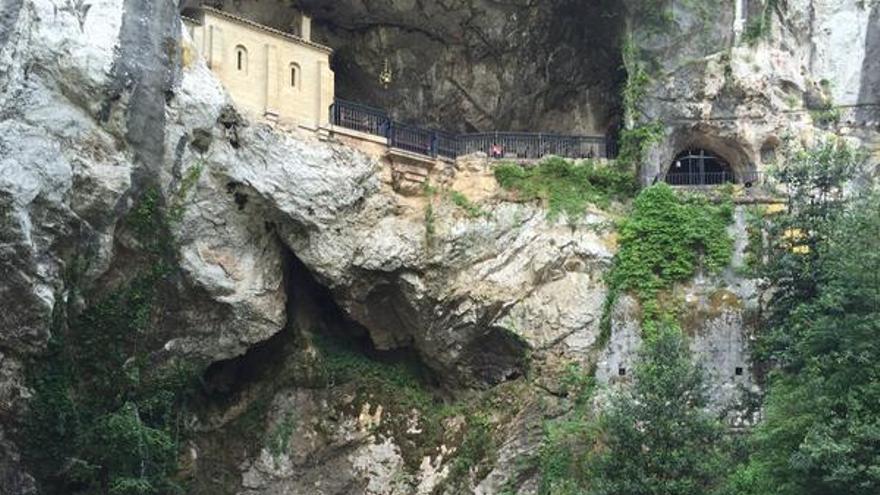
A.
pixel 657 436
pixel 103 418
pixel 821 432
pixel 566 187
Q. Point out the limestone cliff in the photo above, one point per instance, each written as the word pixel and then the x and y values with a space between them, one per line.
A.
pixel 472 65
pixel 282 240
pixel 744 83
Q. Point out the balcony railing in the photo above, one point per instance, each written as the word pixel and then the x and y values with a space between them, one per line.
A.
pixel 749 179
pixel 361 118
pixel 434 143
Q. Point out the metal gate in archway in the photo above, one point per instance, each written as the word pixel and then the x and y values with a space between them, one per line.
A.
pixel 699 167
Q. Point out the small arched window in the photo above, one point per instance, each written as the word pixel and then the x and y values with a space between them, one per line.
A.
pixel 294 75
pixel 241 60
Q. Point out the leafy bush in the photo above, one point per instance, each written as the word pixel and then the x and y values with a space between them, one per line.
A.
pixel 565 186
pixel 665 240
pixel 102 420
pixel 462 201
pixel 567 441
pixel 657 437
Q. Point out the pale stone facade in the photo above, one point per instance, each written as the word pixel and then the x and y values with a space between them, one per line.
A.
pixel 269 73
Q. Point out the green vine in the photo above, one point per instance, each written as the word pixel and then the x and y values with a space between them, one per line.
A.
pixel 634 143
pixel 759 28
pixel 665 240
pixel 104 418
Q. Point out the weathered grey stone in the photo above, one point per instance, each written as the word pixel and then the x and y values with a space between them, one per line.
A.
pixel 96 106
pixel 454 64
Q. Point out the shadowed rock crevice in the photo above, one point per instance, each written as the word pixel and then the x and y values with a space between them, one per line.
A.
pixel 869 90
pixel 145 71
pixel 312 316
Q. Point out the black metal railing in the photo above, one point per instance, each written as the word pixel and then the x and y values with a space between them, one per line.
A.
pixel 446 145
pixel 412 139
pixel 434 143
pixel 748 179
pixel 532 145
pixel 361 118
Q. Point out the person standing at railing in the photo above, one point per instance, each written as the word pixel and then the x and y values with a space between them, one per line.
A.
pixel 496 151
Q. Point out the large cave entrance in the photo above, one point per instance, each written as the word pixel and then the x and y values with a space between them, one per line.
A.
pixel 699 167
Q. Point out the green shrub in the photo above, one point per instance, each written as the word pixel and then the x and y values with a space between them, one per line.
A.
pixel 477 445
pixel 566 187
pixel 657 437
pixel 462 201
pixel 103 418
pixel 634 142
pixel 278 440
pixel 665 240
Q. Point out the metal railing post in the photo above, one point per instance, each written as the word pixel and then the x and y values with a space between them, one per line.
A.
pixel 390 135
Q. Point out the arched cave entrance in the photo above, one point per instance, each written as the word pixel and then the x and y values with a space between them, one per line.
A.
pixel 699 167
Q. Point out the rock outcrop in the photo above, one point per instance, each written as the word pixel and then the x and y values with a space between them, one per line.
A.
pixel 472 65
pixel 753 81
pixel 104 104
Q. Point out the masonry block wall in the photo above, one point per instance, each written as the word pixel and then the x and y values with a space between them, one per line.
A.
pixel 267 72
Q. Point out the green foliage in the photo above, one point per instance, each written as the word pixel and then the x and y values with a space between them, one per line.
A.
pixel 462 201
pixel 398 383
pixel 187 183
pixel 664 241
pixel 758 27
pixel 566 187
pixel 278 440
pixel 430 223
pixel 656 436
pixel 754 252
pixel 563 453
pixel 821 424
pixel 477 445
pixel 829 115
pixel 342 362
pixel 471 209
pixel 634 142
pixel 637 79
pixel 148 224
pixel 635 137
pixel 103 419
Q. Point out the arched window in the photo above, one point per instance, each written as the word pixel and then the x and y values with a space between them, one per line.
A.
pixel 241 61
pixel 294 75
pixel 698 167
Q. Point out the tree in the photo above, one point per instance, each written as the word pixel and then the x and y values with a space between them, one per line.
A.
pixel 821 432
pixel 657 437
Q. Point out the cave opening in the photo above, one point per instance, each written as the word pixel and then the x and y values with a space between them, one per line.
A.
pixel 699 167
pixel 237 396
pixel 313 319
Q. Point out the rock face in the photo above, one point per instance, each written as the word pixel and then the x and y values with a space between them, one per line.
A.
pixel 719 317
pixel 471 296
pixel 472 65
pixel 811 72
pixel 100 108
